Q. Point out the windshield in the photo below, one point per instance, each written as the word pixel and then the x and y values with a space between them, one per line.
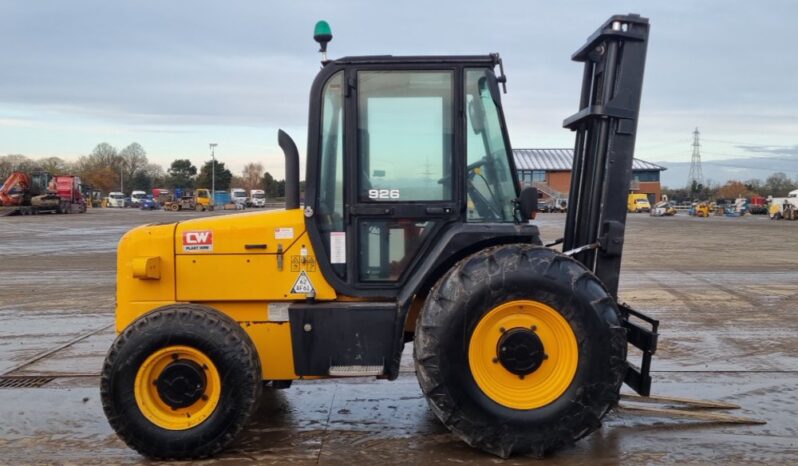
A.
pixel 642 201
pixel 117 196
pixel 239 194
pixel 490 183
pixel 259 196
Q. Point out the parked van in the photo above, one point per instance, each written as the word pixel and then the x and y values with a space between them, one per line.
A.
pixel 638 203
pixel 136 198
pixel 116 199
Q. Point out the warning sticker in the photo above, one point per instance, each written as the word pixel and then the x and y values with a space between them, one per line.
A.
pixel 302 284
pixel 301 262
pixel 198 241
pixel 284 233
pixel 337 247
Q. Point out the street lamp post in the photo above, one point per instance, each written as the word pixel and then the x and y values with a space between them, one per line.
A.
pixel 213 172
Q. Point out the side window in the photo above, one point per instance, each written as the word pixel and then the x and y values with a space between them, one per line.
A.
pixel 388 246
pixel 331 178
pixel 405 135
pixel 489 180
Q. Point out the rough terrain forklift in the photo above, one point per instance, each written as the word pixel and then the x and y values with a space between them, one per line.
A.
pixel 414 229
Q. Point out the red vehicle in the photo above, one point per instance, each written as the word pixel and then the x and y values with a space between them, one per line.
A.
pixel 758 205
pixel 37 192
pixel 161 195
pixel 68 188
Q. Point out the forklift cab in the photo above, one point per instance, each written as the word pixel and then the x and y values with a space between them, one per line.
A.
pixel 400 150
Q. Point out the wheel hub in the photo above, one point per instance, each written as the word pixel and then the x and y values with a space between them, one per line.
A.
pixel 181 384
pixel 520 351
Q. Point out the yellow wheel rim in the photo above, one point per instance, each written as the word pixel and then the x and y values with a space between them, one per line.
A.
pixel 546 383
pixel 155 409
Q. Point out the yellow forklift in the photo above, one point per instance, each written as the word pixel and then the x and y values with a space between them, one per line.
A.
pixel 414 228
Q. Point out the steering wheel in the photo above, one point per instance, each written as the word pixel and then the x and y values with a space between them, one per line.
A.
pixel 487 208
pixel 469 169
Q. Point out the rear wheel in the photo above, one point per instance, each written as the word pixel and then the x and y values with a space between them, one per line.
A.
pixel 180 382
pixel 519 349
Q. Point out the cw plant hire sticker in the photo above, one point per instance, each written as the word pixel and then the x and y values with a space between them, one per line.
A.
pixel 198 241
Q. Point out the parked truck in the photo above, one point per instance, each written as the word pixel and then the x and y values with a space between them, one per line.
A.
pixel 257 198
pixel 239 197
pixel 38 192
pixel 160 196
pixel 199 200
pixel 116 199
pixel 784 207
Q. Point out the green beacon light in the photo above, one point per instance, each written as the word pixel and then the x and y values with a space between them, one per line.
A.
pixel 322 34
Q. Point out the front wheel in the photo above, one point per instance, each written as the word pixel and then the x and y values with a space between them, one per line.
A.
pixel 180 382
pixel 520 349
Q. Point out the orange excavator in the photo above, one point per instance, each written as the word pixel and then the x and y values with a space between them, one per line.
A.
pixel 37 192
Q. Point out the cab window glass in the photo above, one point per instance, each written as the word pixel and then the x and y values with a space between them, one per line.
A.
pixel 405 135
pixel 489 180
pixel 331 176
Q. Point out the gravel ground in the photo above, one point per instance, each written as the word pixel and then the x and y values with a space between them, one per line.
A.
pixel 725 290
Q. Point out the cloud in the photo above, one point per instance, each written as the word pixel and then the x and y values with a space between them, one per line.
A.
pixel 790 151
pixel 194 70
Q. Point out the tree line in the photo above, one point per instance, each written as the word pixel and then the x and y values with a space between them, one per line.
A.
pixel 107 169
pixel 776 185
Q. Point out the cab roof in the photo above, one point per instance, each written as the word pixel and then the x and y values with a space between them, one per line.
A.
pixel 481 60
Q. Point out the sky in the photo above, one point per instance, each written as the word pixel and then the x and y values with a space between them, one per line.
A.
pixel 177 75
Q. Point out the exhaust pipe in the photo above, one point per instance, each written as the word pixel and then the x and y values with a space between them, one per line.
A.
pixel 291 169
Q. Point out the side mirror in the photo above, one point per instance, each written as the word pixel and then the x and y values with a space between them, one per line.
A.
pixel 528 203
pixel 476 114
pixel 493 88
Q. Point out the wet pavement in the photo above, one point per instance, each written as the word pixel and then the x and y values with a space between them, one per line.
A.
pixel 725 289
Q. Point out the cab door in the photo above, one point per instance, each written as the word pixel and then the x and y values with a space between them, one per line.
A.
pixel 401 160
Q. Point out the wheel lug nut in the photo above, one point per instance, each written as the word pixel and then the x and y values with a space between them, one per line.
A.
pixel 502 330
pixel 534 327
pixel 495 360
pixel 545 356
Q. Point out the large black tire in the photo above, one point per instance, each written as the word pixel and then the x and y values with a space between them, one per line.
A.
pixel 499 275
pixel 214 334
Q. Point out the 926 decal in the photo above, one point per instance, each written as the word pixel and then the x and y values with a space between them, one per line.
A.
pixel 382 194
